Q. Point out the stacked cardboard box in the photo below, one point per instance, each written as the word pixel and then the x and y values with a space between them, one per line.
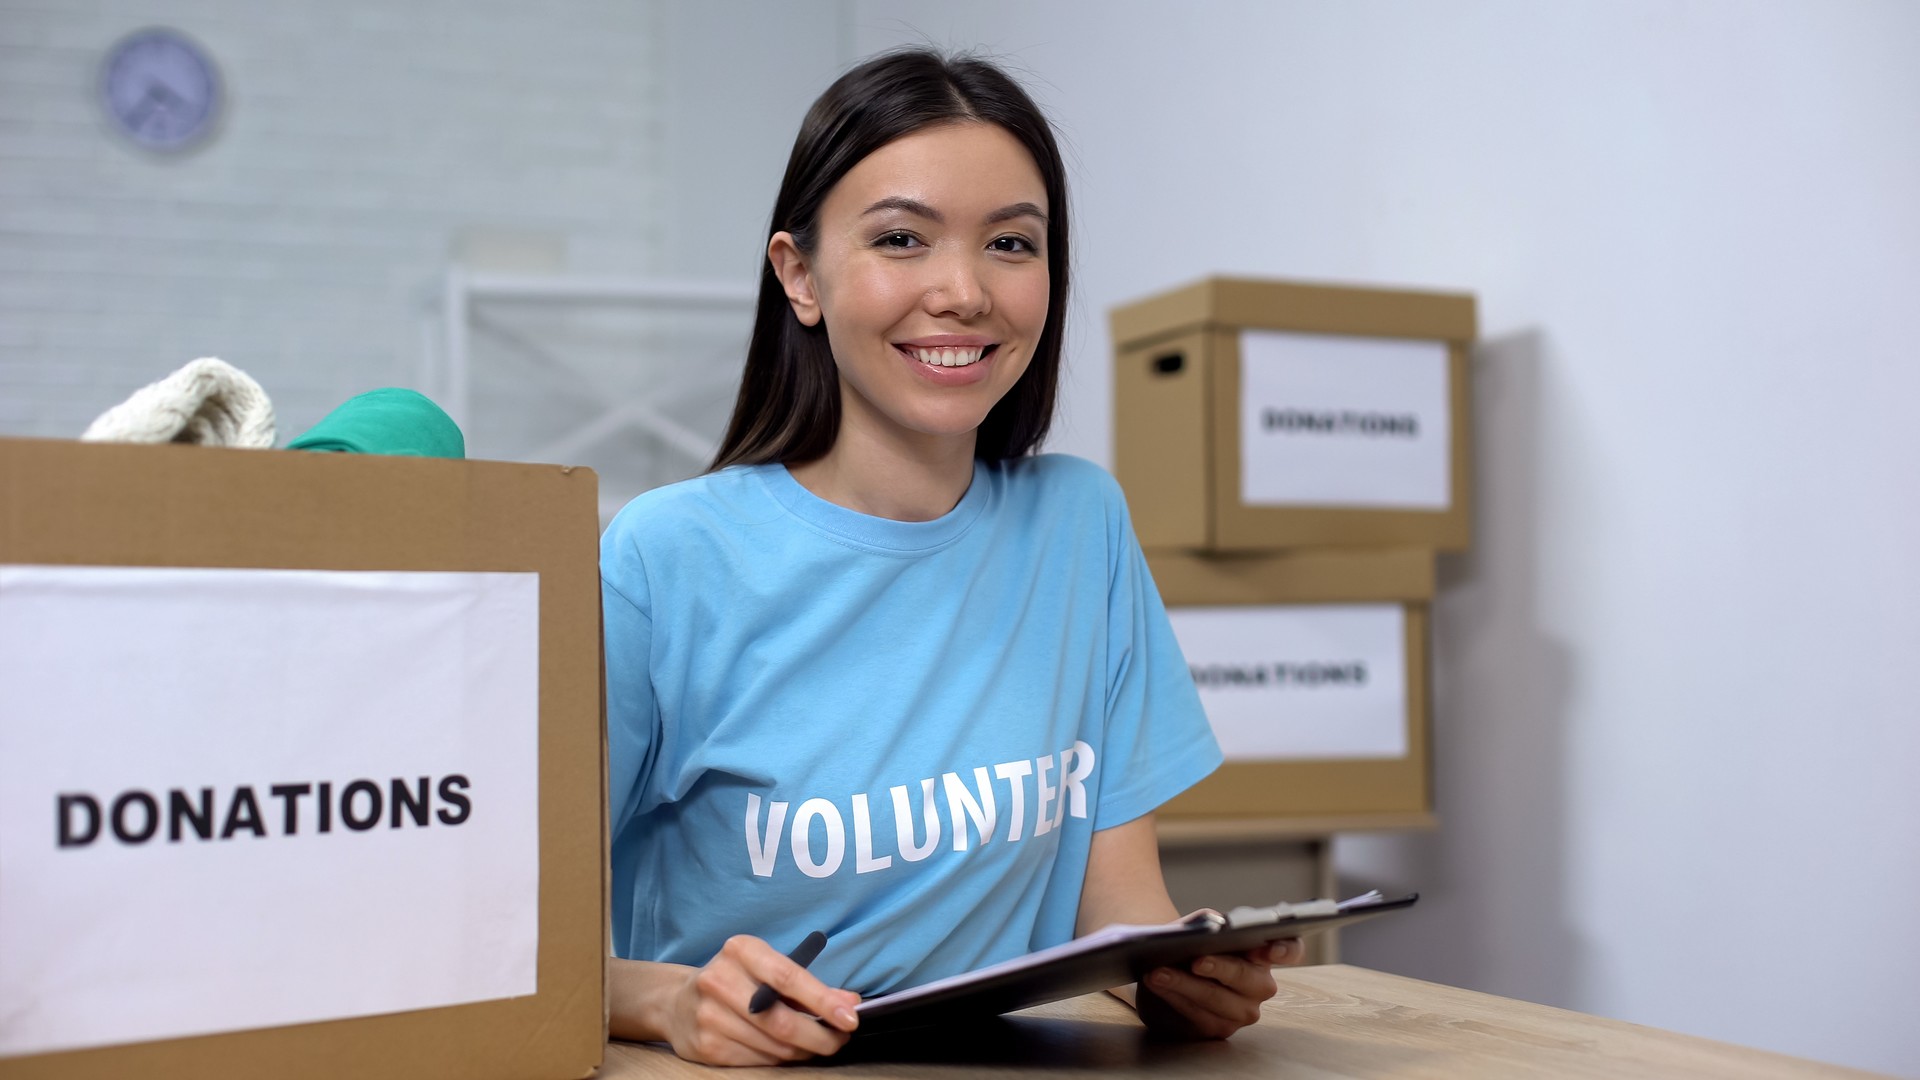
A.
pixel 1294 457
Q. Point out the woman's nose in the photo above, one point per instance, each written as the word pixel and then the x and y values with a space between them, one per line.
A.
pixel 958 291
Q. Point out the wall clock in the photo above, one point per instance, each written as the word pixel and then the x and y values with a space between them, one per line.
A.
pixel 161 90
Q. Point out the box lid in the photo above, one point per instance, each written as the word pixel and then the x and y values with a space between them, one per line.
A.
pixel 1299 576
pixel 1292 305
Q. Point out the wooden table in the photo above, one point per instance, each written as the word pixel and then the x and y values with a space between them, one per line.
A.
pixel 1328 1023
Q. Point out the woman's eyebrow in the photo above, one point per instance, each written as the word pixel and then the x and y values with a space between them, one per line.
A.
pixel 1020 209
pixel 911 206
pixel 920 209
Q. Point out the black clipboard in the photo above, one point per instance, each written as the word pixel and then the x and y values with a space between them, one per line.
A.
pixel 1109 958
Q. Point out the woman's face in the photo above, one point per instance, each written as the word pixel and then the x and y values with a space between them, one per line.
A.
pixel 930 271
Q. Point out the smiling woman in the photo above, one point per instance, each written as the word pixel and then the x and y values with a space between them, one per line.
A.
pixel 881 603
pixel 929 273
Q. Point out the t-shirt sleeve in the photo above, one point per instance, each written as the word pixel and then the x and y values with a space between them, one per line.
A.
pixel 1158 742
pixel 633 721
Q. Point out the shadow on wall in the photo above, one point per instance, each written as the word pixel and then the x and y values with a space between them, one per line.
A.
pixel 1494 878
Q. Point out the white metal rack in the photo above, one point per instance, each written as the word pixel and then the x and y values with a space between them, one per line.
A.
pixel 453 382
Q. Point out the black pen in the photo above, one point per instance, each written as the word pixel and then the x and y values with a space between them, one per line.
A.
pixel 764 997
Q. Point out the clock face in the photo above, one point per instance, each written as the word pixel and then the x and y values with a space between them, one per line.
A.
pixel 161 89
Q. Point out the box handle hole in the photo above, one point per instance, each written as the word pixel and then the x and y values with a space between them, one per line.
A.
pixel 1170 364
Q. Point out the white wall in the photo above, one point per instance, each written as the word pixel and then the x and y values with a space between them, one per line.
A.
pixel 1673 708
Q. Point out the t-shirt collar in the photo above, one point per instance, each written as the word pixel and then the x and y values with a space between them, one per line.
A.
pixel 878 532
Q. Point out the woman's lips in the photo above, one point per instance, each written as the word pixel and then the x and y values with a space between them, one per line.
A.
pixel 948 341
pixel 949 355
pixel 949 365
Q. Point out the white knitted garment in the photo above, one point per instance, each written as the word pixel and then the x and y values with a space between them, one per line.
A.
pixel 209 402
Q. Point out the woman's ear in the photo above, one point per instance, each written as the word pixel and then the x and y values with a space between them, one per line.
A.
pixel 796 277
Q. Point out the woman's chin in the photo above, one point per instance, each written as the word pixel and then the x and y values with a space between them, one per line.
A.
pixel 918 413
pixel 944 426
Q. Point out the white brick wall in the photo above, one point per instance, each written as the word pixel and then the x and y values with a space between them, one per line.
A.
pixel 307 241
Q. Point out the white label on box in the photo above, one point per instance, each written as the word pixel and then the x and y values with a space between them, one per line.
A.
pixel 236 799
pixel 1305 682
pixel 1327 420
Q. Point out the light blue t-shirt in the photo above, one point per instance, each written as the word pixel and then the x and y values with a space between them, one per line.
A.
pixel 901 733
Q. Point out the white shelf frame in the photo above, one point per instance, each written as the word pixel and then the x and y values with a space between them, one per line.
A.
pixel 465 287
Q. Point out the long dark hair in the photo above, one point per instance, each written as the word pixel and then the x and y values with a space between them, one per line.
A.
pixel 788 409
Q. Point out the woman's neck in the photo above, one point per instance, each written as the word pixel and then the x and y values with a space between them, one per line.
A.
pixel 904 479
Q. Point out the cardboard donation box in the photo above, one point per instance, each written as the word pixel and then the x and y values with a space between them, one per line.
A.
pixel 1251 415
pixel 1312 667
pixel 301 765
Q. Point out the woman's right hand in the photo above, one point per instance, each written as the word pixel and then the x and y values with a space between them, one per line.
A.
pixel 707 1019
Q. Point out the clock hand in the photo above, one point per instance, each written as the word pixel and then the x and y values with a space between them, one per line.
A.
pixel 159 101
pixel 166 94
pixel 137 116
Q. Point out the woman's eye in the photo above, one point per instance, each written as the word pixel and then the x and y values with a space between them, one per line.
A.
pixel 897 240
pixel 1013 244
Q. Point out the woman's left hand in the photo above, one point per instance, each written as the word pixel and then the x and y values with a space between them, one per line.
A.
pixel 1217 995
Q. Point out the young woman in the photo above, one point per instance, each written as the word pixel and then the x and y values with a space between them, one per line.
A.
pixel 883 673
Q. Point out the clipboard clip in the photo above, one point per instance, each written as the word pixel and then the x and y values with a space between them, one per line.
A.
pixel 1267 916
pixel 1206 919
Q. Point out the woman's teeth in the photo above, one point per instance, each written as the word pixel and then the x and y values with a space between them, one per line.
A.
pixel 947 357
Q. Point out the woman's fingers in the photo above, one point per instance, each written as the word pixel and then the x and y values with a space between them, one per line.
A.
pixel 1221 995
pixel 763 964
pixel 1240 976
pixel 1280 953
pixel 799 1031
pixel 732 985
pixel 725 1037
pixel 1211 1009
pixel 781 1032
pixel 713 1021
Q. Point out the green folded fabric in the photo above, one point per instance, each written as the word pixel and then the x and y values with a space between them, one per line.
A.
pixel 388 421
